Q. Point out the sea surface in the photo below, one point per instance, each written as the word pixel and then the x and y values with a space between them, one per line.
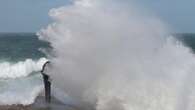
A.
pixel 187 39
pixel 21 60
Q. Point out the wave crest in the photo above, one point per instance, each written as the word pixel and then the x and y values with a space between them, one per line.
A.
pixel 21 68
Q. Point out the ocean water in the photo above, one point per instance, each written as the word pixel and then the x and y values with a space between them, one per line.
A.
pixel 188 39
pixel 114 55
pixel 21 59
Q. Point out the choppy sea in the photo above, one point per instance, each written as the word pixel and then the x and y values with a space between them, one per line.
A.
pixel 21 60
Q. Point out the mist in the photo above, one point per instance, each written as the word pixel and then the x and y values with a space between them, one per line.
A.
pixel 113 55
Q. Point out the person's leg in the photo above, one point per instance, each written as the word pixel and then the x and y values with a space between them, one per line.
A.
pixel 45 87
pixel 48 91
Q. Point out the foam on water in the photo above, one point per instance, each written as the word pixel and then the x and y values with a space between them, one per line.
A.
pixel 20 82
pixel 21 68
pixel 20 90
pixel 112 56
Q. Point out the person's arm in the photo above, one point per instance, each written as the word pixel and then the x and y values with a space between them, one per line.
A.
pixel 44 65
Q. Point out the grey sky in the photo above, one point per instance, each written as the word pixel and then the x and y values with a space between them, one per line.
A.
pixel 31 15
pixel 26 15
pixel 179 14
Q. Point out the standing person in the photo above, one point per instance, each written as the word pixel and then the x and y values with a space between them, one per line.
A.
pixel 47 83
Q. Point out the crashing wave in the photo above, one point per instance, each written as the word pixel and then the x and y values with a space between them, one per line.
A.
pixel 21 90
pixel 21 68
pixel 115 57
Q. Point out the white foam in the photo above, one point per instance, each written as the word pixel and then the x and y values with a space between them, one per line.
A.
pixel 21 90
pixel 115 57
pixel 21 68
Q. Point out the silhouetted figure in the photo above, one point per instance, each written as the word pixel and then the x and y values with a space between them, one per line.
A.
pixel 47 83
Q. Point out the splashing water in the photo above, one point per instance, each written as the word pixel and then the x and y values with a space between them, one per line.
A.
pixel 112 56
pixel 21 82
pixel 20 69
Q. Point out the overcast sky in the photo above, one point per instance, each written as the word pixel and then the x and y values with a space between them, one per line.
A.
pixel 32 15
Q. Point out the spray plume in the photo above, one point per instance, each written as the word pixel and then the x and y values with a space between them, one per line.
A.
pixel 111 56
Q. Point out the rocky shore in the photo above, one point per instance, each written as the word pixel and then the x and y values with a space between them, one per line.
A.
pixel 39 104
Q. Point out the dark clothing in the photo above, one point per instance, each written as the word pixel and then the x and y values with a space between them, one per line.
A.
pixel 47 84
